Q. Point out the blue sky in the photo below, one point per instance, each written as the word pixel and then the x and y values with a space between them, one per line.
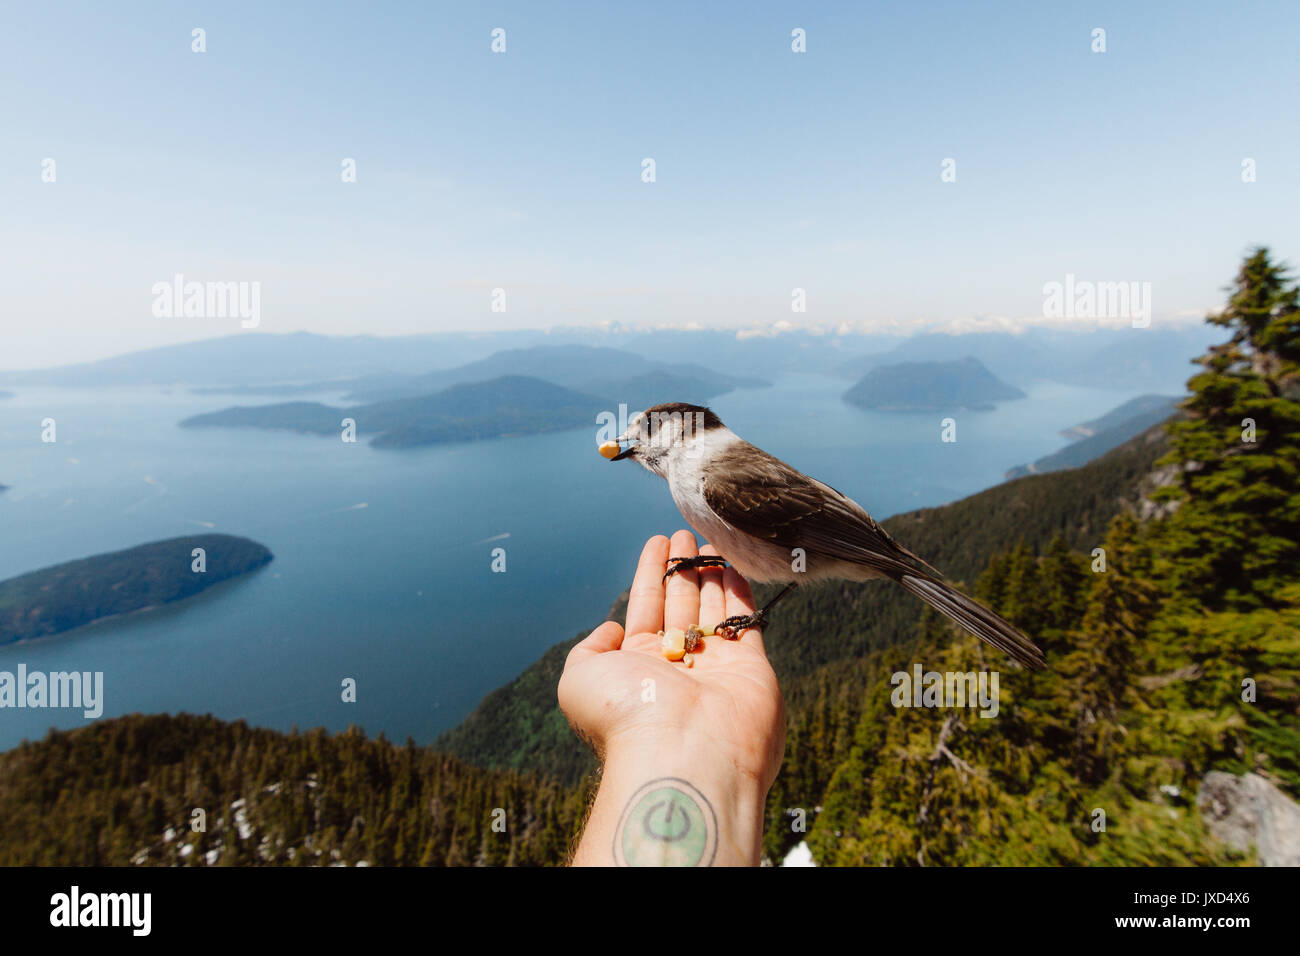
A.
pixel 521 170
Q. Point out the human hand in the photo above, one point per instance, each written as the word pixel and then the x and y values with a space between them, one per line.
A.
pixel 718 725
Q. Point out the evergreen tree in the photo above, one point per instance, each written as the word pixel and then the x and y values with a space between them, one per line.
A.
pixel 1234 537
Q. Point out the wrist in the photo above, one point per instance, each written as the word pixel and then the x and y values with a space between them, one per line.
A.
pixel 674 800
pixel 697 755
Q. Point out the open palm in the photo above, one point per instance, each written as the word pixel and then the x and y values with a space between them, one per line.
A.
pixel 617 686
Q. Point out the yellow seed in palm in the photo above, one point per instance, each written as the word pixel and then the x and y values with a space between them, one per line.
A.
pixel 673 643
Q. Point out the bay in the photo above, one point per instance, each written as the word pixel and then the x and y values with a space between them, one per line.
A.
pixel 383 559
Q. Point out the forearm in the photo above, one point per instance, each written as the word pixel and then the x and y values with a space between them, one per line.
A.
pixel 682 805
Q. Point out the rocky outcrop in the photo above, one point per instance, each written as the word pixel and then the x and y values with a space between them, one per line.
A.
pixel 1249 811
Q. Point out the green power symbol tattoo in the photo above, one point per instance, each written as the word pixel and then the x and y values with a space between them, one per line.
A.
pixel 667 822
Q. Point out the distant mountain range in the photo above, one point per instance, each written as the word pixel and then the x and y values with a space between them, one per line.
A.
pixel 930 386
pixel 76 593
pixel 263 359
pixel 285 364
pixel 613 373
pixel 373 367
pixel 1158 359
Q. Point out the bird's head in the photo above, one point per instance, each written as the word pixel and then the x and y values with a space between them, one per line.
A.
pixel 662 435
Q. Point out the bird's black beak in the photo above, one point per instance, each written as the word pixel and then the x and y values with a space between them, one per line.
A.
pixel 626 451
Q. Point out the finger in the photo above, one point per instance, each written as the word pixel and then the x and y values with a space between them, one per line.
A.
pixel 682 597
pixel 607 637
pixel 740 600
pixel 713 599
pixel 645 602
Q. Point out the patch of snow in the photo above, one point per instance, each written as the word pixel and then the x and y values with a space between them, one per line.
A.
pixel 799 856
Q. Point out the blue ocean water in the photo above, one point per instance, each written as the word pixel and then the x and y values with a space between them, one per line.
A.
pixel 383 559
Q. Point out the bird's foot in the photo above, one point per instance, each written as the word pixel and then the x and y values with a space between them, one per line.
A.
pixel 737 624
pixel 699 561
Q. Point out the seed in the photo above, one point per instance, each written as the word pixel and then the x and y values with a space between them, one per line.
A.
pixel 673 643
pixel 688 660
pixel 608 448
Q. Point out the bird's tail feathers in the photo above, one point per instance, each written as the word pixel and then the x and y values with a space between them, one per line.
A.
pixel 976 618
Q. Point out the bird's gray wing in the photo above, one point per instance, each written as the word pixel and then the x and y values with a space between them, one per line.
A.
pixel 764 497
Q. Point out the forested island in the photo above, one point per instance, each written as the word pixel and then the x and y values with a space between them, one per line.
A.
pixel 507 406
pixel 504 407
pixel 930 386
pixel 59 598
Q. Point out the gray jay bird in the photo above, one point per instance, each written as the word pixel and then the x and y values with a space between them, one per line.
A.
pixel 757 510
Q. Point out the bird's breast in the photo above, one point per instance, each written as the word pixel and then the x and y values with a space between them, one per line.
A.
pixel 755 559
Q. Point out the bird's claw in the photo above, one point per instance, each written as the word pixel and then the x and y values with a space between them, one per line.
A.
pixel 687 564
pixel 737 624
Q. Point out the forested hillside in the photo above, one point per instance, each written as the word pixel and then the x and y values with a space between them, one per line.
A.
pixel 124 791
pixel 1180 657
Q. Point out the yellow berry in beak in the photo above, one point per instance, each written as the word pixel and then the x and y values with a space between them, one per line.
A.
pixel 609 449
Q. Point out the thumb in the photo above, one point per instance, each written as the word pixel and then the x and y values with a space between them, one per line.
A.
pixel 570 692
pixel 607 637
